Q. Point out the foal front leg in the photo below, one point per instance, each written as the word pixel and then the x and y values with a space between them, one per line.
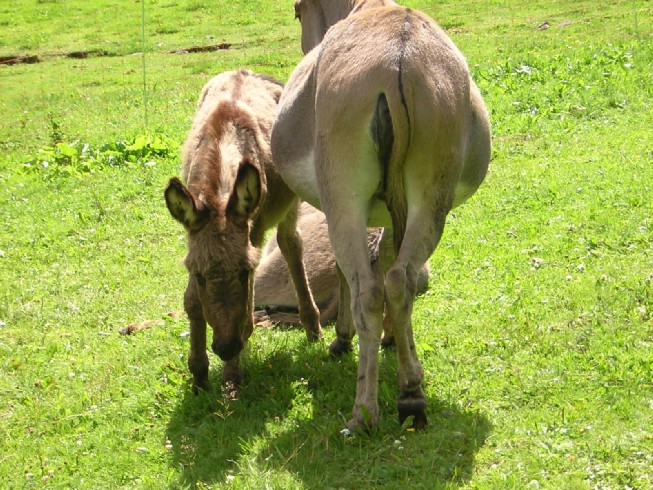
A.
pixel 291 247
pixel 198 360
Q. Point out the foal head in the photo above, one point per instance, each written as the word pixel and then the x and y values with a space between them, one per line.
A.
pixel 217 208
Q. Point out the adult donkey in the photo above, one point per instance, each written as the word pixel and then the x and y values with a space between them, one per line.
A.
pixel 233 195
pixel 380 125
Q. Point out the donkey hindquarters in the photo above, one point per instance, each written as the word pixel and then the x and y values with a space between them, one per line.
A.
pixel 381 125
pixel 232 196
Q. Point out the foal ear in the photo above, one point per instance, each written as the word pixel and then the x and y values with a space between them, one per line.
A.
pixel 246 196
pixel 184 207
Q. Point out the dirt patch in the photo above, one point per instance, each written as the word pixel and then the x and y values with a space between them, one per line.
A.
pixel 19 58
pixel 202 49
pixel 14 59
pixel 135 327
pixel 81 55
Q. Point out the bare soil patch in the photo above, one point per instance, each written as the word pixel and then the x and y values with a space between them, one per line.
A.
pixel 202 49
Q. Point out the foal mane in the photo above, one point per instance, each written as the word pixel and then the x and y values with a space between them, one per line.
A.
pixel 208 172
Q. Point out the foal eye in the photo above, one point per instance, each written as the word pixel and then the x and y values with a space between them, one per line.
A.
pixel 200 280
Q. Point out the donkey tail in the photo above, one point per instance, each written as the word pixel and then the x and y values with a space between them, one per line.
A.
pixel 391 130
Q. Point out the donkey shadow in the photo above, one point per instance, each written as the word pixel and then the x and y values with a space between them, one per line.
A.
pixel 216 440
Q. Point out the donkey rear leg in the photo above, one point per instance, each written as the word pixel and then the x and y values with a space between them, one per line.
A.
pixel 399 303
pixel 381 259
pixel 291 247
pixel 420 240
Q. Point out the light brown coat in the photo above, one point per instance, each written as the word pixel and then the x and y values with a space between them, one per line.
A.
pixel 380 125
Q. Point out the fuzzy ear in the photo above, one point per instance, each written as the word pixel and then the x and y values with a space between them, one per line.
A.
pixel 246 196
pixel 184 207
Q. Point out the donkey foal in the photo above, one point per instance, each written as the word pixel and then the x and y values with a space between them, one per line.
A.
pixel 232 196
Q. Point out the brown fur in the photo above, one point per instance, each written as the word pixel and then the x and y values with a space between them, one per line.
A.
pixel 232 195
pixel 380 125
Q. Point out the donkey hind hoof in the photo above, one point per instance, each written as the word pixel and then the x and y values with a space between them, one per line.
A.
pixel 414 405
pixel 339 347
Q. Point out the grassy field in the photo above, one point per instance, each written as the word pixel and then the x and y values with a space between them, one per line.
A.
pixel 535 336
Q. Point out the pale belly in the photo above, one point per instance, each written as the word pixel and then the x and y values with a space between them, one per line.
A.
pixel 299 175
pixel 301 178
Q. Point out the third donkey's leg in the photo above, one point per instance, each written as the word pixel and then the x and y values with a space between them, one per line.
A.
pixel 387 257
pixel 290 245
pixel 345 328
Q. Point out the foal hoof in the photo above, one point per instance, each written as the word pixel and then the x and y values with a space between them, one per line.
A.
pixel 388 341
pixel 230 389
pixel 200 385
pixel 231 379
pixel 413 404
pixel 314 335
pixel 339 347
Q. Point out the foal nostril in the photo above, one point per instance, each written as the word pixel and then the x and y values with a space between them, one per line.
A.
pixel 229 350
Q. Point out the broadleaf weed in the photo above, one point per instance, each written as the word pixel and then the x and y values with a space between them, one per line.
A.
pixel 76 158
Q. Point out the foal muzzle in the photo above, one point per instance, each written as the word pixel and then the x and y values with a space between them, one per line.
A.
pixel 227 350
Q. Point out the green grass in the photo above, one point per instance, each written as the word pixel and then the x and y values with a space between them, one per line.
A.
pixel 535 335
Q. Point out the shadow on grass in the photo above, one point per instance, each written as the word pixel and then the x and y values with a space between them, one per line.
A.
pixel 284 429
